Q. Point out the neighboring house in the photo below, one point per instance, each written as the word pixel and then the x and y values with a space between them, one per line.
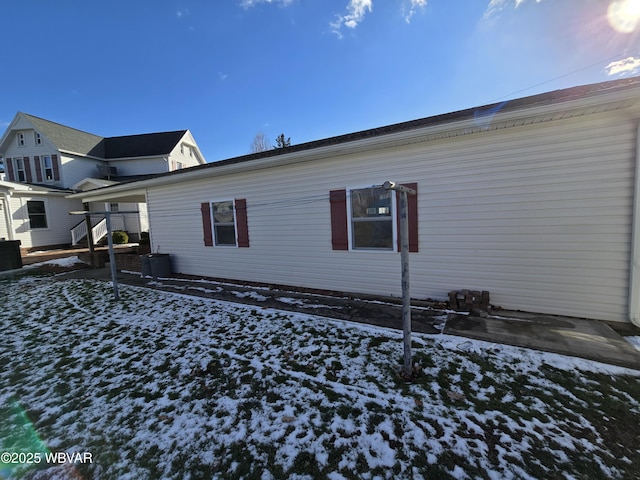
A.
pixel 44 161
pixel 536 200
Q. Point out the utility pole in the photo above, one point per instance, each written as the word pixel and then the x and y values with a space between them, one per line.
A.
pixel 407 368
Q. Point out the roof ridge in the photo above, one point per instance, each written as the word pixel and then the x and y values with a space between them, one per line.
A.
pixel 148 133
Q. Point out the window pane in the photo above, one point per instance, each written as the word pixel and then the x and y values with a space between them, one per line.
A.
pixel 225 235
pixel 370 202
pixel 373 234
pixel 35 206
pixel 223 212
pixel 38 221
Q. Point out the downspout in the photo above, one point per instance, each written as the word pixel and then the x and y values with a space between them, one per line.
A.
pixel 7 215
pixel 634 256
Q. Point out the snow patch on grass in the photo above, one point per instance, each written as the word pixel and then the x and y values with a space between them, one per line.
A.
pixel 164 385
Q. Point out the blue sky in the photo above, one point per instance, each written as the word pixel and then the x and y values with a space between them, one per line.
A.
pixel 229 69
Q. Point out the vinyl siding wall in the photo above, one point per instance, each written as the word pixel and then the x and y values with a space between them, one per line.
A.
pixel 538 215
pixel 59 222
pixel 75 169
pixel 141 166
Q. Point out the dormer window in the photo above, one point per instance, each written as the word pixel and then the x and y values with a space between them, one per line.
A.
pixel 37 138
pixel 21 139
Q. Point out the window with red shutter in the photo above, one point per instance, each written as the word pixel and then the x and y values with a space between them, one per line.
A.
pixel 225 223
pixel 205 209
pixel 339 227
pixel 370 217
pixel 241 222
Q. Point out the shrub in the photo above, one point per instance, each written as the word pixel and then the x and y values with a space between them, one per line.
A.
pixel 119 237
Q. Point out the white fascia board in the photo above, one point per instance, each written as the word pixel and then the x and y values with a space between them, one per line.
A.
pixel 108 194
pixel 99 183
pixel 47 193
pixel 8 131
pixel 25 188
pixel 81 155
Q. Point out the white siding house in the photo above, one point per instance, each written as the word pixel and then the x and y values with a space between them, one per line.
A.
pixel 534 200
pixel 48 160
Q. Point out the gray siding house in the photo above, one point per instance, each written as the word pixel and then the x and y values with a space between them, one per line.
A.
pixel 536 200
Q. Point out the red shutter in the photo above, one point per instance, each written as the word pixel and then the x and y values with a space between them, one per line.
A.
pixel 205 208
pixel 56 167
pixel 8 163
pixel 241 222
pixel 36 160
pixel 339 227
pixel 412 213
pixel 27 169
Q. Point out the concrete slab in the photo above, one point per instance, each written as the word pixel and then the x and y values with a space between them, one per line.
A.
pixel 588 339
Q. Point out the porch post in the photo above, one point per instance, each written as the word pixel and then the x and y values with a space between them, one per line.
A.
pixel 87 219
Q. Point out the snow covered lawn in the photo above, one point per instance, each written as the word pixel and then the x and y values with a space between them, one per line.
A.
pixel 162 385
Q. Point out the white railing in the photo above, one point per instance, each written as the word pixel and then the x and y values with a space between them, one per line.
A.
pixel 98 231
pixel 78 232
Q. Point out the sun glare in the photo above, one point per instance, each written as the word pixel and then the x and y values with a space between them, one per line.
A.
pixel 624 15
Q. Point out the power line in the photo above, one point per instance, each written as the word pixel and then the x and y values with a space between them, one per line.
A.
pixel 609 59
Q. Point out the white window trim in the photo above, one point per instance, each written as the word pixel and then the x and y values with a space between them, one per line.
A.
pixel 37 138
pixel 18 170
pixel 394 223
pixel 213 222
pixel 21 138
pixel 44 168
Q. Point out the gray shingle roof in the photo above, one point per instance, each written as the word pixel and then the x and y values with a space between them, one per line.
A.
pixel 147 144
pixel 67 138
pixel 83 143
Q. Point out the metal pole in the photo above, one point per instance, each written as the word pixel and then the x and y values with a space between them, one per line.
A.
pixel 407 368
pixel 112 257
pixel 406 292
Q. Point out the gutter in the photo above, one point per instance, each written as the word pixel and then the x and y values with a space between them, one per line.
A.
pixel 526 111
pixel 634 255
pixel 7 215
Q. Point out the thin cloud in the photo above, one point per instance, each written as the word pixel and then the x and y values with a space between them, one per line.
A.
pixel 356 10
pixel 252 3
pixel 629 65
pixel 496 6
pixel 413 6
